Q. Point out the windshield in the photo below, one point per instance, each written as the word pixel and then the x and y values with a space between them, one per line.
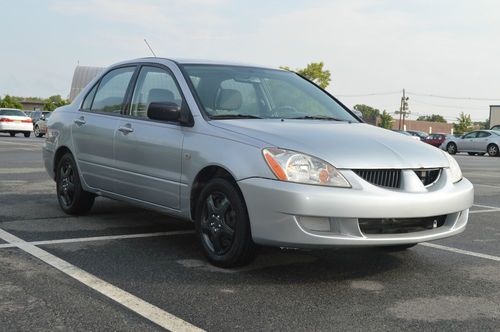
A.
pixel 12 113
pixel 228 92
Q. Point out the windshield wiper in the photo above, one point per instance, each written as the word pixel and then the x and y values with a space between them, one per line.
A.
pixel 316 117
pixel 234 116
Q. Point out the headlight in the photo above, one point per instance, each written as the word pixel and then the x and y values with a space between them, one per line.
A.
pixel 297 167
pixel 456 173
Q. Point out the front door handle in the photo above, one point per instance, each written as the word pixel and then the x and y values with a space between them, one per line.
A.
pixel 126 129
pixel 80 121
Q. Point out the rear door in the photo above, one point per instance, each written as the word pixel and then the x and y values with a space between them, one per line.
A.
pixel 148 152
pixel 95 124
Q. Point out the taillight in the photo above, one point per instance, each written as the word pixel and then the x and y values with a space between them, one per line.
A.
pixel 6 120
pixel 26 121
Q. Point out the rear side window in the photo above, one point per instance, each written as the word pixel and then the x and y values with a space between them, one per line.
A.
pixel 87 103
pixel 111 91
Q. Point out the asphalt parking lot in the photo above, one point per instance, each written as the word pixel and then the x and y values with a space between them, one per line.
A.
pixel 124 268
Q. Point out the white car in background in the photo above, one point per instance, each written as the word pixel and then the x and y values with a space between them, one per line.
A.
pixel 15 121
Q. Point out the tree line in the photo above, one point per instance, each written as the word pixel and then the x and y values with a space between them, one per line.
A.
pixel 50 103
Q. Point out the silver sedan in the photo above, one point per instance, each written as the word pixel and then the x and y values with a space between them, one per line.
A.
pixel 253 156
pixel 477 142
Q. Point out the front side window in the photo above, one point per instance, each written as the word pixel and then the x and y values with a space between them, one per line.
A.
pixel 110 94
pixel 471 135
pixel 239 92
pixel 153 85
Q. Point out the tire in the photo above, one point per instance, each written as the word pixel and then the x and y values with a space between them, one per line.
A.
pixel 12 134
pixel 223 226
pixel 471 153
pixel 72 198
pixel 37 132
pixel 451 148
pixel 493 150
pixel 400 247
pixel 27 134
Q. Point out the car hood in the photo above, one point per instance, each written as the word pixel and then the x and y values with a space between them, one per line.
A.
pixel 344 145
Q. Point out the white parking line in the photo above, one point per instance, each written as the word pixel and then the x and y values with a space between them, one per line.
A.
pixel 100 238
pixel 486 185
pixel 461 251
pixel 484 211
pixel 132 302
pixel 487 206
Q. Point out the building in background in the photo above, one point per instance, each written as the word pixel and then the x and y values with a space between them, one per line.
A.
pixel 426 126
pixel 81 77
pixel 29 105
pixel 494 115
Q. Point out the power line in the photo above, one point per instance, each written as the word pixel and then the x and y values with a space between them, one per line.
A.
pixel 447 106
pixel 371 94
pixel 452 97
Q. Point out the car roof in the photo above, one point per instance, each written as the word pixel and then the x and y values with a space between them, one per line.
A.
pixel 185 61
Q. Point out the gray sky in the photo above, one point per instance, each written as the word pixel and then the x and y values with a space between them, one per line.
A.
pixel 440 47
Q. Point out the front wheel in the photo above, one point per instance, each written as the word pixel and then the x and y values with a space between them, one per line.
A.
pixel 37 132
pixel 72 198
pixel 451 148
pixel 27 134
pixel 493 150
pixel 223 226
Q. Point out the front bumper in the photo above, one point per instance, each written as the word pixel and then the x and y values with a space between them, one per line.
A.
pixel 290 214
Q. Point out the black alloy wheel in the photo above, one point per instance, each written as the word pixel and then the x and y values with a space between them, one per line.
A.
pixel 72 198
pixel 223 225
pixel 218 222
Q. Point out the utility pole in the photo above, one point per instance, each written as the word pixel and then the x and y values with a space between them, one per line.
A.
pixel 403 110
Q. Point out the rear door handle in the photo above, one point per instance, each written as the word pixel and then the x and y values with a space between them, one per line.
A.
pixel 126 129
pixel 80 121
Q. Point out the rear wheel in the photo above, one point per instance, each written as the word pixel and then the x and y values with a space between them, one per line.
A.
pixel 493 150
pixel 399 247
pixel 72 198
pixel 223 225
pixel 27 134
pixel 451 148
pixel 12 134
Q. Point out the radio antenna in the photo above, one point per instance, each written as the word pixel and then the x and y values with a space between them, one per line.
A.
pixel 150 48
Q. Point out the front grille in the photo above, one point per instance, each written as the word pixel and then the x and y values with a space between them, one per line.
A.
pixel 400 225
pixel 428 176
pixel 389 178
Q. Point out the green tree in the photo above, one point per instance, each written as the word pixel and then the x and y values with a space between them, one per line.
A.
pixel 54 102
pixel 370 114
pixel 464 124
pixel 386 120
pixel 432 117
pixel 10 102
pixel 315 72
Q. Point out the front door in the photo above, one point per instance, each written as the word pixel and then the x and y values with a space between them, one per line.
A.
pixel 147 152
pixel 467 142
pixel 94 128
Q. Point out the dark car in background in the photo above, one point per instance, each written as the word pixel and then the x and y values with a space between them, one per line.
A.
pixel 436 139
pixel 420 134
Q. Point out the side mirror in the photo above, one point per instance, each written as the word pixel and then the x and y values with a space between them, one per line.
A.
pixel 164 111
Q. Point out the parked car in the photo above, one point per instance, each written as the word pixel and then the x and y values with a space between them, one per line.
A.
pixel 14 121
pixel 436 139
pixel 40 127
pixel 402 132
pixel 254 156
pixel 420 134
pixel 36 115
pixel 477 142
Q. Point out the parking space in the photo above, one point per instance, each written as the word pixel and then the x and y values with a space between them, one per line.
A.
pixel 125 268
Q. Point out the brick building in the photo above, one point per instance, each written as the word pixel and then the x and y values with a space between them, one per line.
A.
pixel 427 126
